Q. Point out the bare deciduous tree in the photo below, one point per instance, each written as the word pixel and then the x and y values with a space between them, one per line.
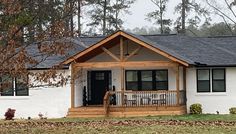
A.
pixel 30 36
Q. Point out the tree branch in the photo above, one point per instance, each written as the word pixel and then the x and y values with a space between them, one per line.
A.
pixel 218 10
pixel 230 8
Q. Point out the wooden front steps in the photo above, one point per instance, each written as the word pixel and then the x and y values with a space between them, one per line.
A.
pixel 88 112
pixel 146 111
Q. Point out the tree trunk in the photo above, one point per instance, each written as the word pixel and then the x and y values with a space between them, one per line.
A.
pixel 104 17
pixel 116 15
pixel 161 16
pixel 79 17
pixel 183 16
pixel 67 18
pixel 71 19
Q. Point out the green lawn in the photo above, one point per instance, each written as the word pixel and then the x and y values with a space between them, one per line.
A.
pixel 204 117
pixel 215 124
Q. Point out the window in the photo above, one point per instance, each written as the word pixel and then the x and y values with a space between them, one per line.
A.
pixel 147 80
pixel 13 86
pixel 203 80
pixel 211 80
pixel 100 76
pixel 21 86
pixel 131 80
pixel 7 88
pixel 162 80
pixel 218 80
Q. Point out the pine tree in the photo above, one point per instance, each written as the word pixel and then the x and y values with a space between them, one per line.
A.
pixel 121 7
pixel 105 16
pixel 158 15
pixel 187 7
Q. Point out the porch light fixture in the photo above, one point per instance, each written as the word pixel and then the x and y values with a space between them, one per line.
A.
pixel 127 48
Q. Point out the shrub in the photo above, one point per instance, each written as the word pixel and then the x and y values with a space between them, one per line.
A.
pixel 41 116
pixel 10 114
pixel 196 108
pixel 232 110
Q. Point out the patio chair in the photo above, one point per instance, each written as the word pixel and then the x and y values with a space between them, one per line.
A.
pixel 130 99
pixel 158 99
pixel 162 99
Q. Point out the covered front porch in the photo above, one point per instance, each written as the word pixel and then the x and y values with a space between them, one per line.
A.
pixel 122 76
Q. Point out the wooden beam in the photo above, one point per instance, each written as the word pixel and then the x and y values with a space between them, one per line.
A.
pixel 177 85
pixel 133 53
pixel 121 48
pixel 155 49
pixel 122 78
pixel 136 64
pixel 72 85
pixel 110 54
pixel 100 43
pixel 122 69
pixel 184 78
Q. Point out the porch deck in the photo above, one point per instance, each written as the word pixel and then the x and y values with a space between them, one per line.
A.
pixel 144 103
pixel 98 111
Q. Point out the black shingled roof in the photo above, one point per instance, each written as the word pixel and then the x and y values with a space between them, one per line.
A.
pixel 197 51
pixel 212 51
pixel 78 45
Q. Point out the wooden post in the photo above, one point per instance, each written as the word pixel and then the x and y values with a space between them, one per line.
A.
pixel 122 85
pixel 184 78
pixel 121 49
pixel 177 84
pixel 122 69
pixel 184 85
pixel 72 86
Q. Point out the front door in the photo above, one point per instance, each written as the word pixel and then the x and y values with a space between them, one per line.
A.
pixel 100 81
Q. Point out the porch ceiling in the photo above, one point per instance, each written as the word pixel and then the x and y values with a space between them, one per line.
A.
pixel 98 50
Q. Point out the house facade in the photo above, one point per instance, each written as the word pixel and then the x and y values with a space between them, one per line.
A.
pixel 131 75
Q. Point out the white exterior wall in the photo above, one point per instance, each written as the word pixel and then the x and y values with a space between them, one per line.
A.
pixel 212 102
pixel 52 102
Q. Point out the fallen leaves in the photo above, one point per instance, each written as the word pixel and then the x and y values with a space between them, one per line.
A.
pixel 97 124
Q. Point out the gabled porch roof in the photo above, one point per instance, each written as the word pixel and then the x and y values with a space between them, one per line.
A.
pixel 144 42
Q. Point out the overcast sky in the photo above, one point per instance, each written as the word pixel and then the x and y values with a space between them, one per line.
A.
pixel 142 7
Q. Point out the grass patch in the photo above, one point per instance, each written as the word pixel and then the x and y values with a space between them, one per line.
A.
pixel 202 117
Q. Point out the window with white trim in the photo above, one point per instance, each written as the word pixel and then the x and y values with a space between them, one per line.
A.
pixel 218 80
pixel 203 80
pixel 211 80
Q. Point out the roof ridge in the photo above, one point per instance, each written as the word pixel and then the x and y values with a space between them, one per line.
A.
pixel 100 36
pixel 157 34
pixel 220 36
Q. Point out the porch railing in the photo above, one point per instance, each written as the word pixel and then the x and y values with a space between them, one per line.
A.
pixel 144 98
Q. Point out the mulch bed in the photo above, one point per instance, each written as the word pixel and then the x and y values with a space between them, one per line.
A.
pixel 48 124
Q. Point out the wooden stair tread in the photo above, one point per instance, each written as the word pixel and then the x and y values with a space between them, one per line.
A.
pixel 89 112
pixel 86 112
pixel 84 116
